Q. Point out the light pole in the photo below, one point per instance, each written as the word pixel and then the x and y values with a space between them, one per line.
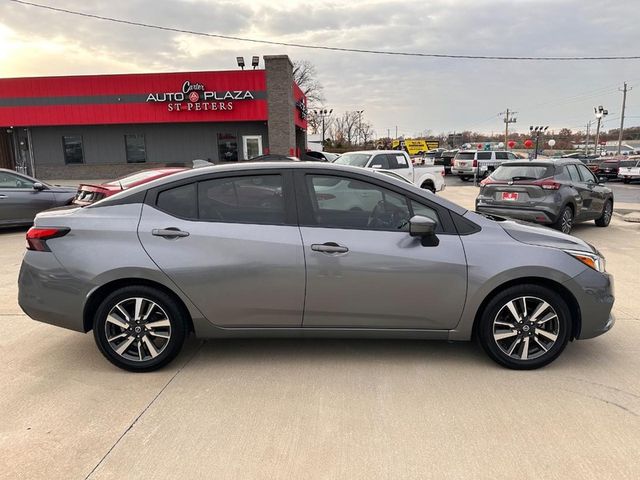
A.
pixel 537 131
pixel 323 113
pixel 600 112
pixel 359 112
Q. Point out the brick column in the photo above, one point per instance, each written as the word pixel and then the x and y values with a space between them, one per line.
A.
pixel 280 104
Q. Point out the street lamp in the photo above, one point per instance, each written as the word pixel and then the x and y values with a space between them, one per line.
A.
pixel 600 112
pixel 240 61
pixel 537 131
pixel 323 113
pixel 255 61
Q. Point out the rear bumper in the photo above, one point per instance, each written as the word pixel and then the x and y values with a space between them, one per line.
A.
pixel 594 292
pixel 534 215
pixel 48 293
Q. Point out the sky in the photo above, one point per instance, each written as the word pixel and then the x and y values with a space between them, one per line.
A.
pixel 412 94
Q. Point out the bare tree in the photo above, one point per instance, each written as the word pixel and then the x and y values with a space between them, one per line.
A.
pixel 346 126
pixel 365 132
pixel 304 74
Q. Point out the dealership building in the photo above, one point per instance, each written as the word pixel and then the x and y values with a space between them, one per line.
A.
pixel 104 126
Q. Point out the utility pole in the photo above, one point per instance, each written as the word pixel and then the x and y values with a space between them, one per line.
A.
pixel 624 101
pixel 359 112
pixel 588 137
pixel 396 132
pixel 508 118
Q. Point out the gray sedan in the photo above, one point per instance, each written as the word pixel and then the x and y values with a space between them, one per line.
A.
pixel 22 197
pixel 301 249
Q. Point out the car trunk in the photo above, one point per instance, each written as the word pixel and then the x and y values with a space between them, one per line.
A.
pixel 517 185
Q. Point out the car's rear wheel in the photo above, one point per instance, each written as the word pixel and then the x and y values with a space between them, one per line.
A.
pixel 607 213
pixel 565 220
pixel 429 186
pixel 139 328
pixel 525 327
pixel 626 180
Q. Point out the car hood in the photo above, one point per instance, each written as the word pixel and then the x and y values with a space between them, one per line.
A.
pixel 532 234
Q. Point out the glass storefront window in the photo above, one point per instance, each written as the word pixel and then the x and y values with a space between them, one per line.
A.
pixel 135 148
pixel 72 147
pixel 227 147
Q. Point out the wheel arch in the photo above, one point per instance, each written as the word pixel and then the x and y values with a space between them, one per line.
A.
pixel 572 303
pixel 98 295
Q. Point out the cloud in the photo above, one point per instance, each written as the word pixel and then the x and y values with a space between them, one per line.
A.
pixel 413 93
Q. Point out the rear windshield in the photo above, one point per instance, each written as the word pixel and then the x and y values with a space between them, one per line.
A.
pixel 465 155
pixel 507 172
pixel 353 159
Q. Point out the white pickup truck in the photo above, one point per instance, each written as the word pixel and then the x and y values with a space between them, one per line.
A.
pixel 397 161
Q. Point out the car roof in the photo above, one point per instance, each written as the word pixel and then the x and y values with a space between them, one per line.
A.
pixel 545 162
pixel 373 152
pixel 317 167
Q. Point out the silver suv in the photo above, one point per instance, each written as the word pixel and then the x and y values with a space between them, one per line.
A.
pixel 552 192
pixel 470 163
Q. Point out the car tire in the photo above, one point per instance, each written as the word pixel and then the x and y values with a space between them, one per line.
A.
pixel 464 179
pixel 625 180
pixel 564 223
pixel 537 339
pixel 140 328
pixel 607 213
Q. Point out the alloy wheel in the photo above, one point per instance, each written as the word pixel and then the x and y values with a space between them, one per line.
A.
pixel 137 329
pixel 608 210
pixel 567 221
pixel 526 328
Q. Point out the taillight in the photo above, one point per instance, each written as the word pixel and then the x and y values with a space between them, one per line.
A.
pixel 475 163
pixel 548 184
pixel 37 237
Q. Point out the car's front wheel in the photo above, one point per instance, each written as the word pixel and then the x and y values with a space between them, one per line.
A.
pixel 139 328
pixel 525 327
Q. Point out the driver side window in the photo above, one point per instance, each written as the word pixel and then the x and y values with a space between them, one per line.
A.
pixel 9 180
pixel 341 202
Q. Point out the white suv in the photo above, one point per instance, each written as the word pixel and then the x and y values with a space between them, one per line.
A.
pixel 468 163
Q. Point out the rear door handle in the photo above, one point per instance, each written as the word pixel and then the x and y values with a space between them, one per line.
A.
pixel 170 232
pixel 3 196
pixel 329 247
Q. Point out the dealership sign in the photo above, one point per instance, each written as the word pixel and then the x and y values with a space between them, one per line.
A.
pixel 195 97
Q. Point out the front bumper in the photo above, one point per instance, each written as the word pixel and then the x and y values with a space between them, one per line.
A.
pixel 594 292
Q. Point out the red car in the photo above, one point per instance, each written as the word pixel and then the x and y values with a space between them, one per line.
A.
pixel 88 194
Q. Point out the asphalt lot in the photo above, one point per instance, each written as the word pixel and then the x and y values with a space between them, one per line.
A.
pixel 323 408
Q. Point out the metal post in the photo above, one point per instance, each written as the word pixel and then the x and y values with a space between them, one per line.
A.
pixel 597 136
pixel 588 133
pixel 624 101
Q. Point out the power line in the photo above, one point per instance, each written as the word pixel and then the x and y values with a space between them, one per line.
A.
pixel 320 47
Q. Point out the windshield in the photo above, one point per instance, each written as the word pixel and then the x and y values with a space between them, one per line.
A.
pixel 127 181
pixel 521 172
pixel 353 159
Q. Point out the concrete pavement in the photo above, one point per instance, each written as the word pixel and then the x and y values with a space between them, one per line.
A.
pixel 323 408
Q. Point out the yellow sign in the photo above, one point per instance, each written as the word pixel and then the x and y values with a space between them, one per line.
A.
pixel 414 147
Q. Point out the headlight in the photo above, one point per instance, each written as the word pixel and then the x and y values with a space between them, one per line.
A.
pixel 592 260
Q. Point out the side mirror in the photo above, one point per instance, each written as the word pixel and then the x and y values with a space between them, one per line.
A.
pixel 425 228
pixel 38 187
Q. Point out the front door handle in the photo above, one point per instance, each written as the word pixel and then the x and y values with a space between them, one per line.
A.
pixel 329 247
pixel 3 196
pixel 170 232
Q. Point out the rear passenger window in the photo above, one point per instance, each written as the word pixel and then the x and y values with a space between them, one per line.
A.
pixel 397 161
pixel 484 156
pixel 179 201
pixel 573 173
pixel 255 199
pixel 501 156
pixel 586 174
